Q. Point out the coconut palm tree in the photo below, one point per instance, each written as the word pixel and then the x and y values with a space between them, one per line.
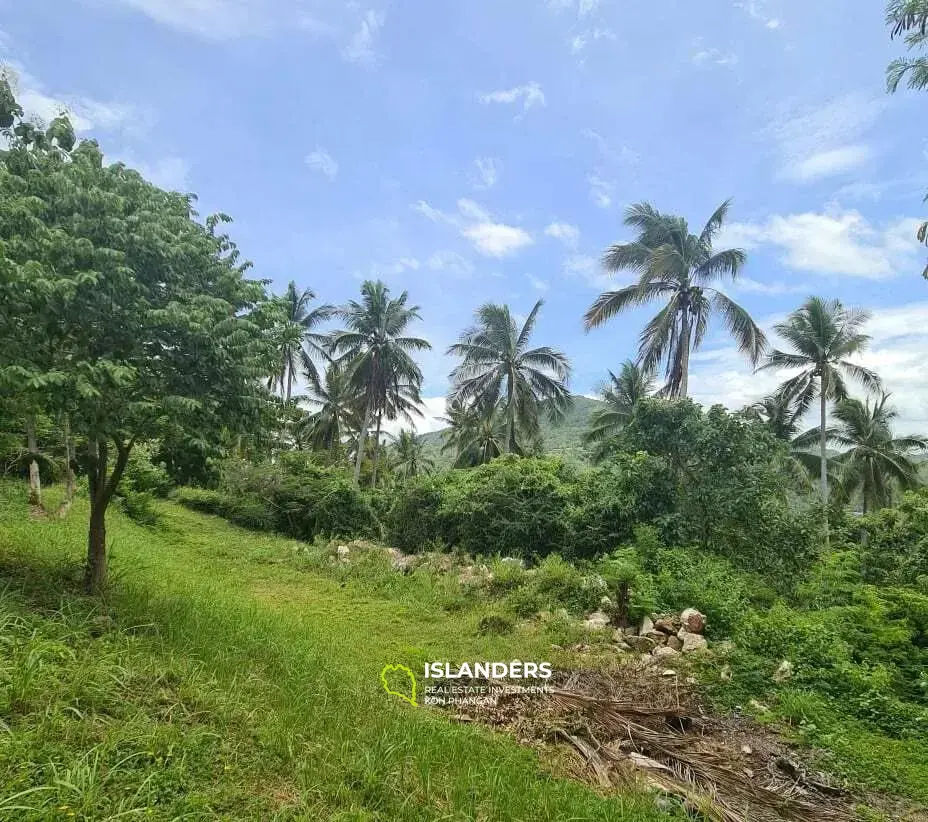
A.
pixel 620 396
pixel 475 435
pixel 499 367
pixel 409 457
pixel 334 416
pixel 403 402
pixel 677 268
pixel 299 344
pixel 824 335
pixel 374 351
pixel 874 462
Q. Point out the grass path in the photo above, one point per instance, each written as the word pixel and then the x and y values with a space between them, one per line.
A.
pixel 224 679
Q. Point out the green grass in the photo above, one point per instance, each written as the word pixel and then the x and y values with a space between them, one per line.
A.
pixel 228 676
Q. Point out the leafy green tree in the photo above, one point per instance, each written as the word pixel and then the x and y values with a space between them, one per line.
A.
pixel 620 396
pixel 499 368
pixel 299 343
pixel 375 352
pixel 824 335
pixel 873 462
pixel 334 415
pixel 728 490
pixel 146 318
pixel 409 457
pixel 677 268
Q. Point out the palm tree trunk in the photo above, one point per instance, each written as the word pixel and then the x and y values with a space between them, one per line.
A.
pixel 511 445
pixel 376 451
pixel 289 382
pixel 685 354
pixel 35 480
pixel 823 454
pixel 362 438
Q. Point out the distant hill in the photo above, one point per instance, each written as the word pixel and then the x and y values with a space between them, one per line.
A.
pixel 563 439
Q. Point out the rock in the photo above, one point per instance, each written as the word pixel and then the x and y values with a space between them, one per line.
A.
pixel 666 625
pixel 513 561
pixel 646 626
pixel 400 561
pixel 663 652
pixel 693 642
pixel 597 621
pixel 693 621
pixel 784 672
pixel 342 552
pixel 746 749
pixel 658 637
pixel 675 642
pixel 624 647
pixel 758 706
pixel 648 660
pixel 726 673
pixel 668 672
pixel 474 575
pixel 642 644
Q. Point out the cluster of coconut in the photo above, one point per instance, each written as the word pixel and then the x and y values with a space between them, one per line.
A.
pixel 658 635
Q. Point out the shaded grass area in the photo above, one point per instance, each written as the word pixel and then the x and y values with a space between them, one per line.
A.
pixel 223 678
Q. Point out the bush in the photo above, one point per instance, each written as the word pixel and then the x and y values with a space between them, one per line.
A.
pixel 609 501
pixel 139 506
pixel 144 474
pixel 513 506
pixel 895 548
pixel 247 511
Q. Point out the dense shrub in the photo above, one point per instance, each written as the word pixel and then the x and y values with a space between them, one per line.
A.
pixel 144 473
pixel 512 506
pixel 293 496
pixel 894 542
pixel 609 501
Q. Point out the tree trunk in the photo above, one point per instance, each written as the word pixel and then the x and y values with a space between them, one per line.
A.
pixel 362 438
pixel 823 453
pixel 65 506
pixel 102 488
pixel 35 479
pixel 376 452
pixel 95 573
pixel 685 355
pixel 512 446
pixel 289 383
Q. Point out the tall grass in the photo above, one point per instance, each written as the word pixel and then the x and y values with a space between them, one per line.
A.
pixel 223 677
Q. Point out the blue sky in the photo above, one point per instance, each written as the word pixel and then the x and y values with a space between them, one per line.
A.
pixel 485 151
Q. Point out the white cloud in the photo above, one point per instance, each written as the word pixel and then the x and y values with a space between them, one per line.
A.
pixel 450 262
pixel 401 265
pixel 540 285
pixel 169 173
pixel 776 288
pixel 899 339
pixel 824 140
pixel 433 409
pixel 834 242
pixel 712 56
pixel 565 232
pixel 590 270
pixel 473 211
pixel 828 163
pixel 580 41
pixel 211 19
pixel 86 113
pixel 487 171
pixel 361 47
pixel 757 9
pixel 600 190
pixel 429 212
pixel 320 160
pixel 529 95
pixel 497 239
pixel 475 223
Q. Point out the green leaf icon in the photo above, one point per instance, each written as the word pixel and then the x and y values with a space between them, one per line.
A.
pixel 399 681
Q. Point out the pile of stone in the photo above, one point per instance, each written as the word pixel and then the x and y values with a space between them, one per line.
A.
pixel 659 635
